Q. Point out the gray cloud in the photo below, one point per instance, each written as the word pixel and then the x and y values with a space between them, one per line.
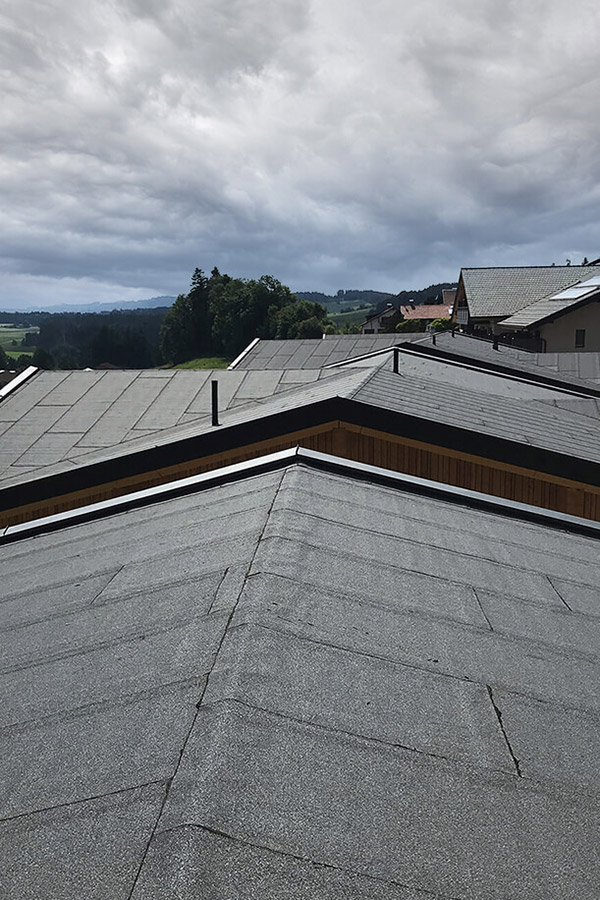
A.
pixel 332 144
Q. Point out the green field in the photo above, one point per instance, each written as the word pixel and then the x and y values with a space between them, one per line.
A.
pixel 348 318
pixel 207 362
pixel 9 335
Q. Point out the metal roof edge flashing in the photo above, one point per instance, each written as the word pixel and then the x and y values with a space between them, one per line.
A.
pixel 322 461
pixel 136 499
pixel 355 359
pixel 17 381
pixel 244 353
pixel 449 492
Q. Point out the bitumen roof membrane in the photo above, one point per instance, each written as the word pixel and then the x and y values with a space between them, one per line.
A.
pixel 301 684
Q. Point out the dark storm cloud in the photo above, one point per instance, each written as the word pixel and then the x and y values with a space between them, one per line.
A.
pixel 332 144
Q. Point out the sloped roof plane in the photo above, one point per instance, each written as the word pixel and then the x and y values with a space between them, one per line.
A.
pixel 500 292
pixel 556 305
pixel 302 683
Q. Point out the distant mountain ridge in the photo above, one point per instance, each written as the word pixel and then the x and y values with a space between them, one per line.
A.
pixel 131 305
pixel 332 302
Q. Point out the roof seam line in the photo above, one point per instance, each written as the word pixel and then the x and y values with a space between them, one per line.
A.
pixel 203 692
pixel 94 797
pixel 217 832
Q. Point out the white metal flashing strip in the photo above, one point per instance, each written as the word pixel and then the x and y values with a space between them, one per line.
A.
pixel 239 358
pixel 355 359
pixel 17 381
pixel 337 465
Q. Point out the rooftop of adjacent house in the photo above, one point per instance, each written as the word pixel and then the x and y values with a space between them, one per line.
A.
pixel 56 416
pixel 517 422
pixel 302 683
pixel 542 310
pixel 500 292
pixel 315 353
pixel 576 369
pixel 426 311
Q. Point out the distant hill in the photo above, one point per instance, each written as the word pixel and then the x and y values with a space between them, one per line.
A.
pixel 344 298
pixel 131 305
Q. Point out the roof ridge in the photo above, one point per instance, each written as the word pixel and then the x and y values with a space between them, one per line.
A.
pixel 369 375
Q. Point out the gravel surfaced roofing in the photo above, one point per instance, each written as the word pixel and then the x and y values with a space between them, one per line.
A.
pixel 301 685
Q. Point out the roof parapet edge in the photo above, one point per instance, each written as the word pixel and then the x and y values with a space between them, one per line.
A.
pixel 241 355
pixel 17 381
pixel 323 461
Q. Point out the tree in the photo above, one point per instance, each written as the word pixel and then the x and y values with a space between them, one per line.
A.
pixel 244 309
pixel 440 324
pixel 302 319
pixel 42 359
pixel 3 358
pixel 186 331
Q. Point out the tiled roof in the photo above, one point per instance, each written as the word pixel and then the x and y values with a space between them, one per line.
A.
pixel 301 685
pixel 500 292
pixel 426 311
pixel 557 304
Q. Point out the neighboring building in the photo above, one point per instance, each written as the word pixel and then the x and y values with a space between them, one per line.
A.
pixel 486 296
pixel 568 320
pixel 426 312
pixel 448 297
pixel 383 321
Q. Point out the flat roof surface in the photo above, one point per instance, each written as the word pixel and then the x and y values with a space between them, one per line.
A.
pixel 301 685
pixel 567 367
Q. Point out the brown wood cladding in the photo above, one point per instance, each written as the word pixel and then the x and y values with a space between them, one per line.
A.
pixel 362 445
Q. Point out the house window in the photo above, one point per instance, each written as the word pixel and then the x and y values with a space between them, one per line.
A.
pixel 579 338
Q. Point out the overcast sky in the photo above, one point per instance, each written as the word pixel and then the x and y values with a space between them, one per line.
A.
pixel 331 143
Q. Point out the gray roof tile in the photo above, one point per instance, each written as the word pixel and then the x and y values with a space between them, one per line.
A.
pixel 500 292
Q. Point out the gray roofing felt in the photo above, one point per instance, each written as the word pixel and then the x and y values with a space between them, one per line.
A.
pixel 533 422
pixel 499 292
pixel 57 416
pixel 558 426
pixel 314 353
pixel 301 685
pixel 567 367
pixel 462 375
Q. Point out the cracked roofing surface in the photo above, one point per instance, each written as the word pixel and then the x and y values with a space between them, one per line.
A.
pixel 301 685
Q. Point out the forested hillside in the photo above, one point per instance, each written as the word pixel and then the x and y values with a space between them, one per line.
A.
pixel 220 315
